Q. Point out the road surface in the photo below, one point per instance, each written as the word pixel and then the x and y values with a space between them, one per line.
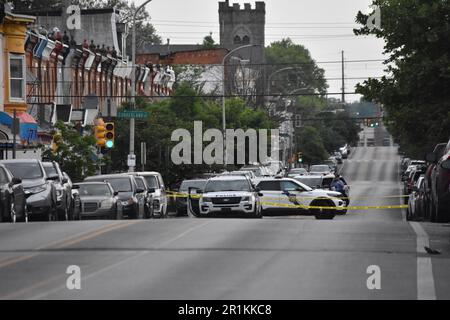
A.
pixel 272 258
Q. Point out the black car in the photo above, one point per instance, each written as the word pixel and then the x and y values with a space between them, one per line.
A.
pixel 12 197
pixel 63 189
pixel 440 186
pixel 39 189
pixel 131 197
pixel 181 199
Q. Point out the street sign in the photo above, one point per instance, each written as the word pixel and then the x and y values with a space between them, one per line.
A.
pixel 131 161
pixel 132 114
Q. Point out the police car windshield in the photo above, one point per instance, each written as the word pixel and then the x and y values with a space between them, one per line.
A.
pixel 227 185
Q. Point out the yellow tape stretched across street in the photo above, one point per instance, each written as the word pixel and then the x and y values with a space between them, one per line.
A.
pixel 277 204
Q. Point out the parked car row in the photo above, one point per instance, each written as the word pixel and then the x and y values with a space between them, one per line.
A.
pixel 32 189
pixel 428 185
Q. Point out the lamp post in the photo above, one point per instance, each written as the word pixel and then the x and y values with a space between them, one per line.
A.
pixel 223 95
pixel 133 81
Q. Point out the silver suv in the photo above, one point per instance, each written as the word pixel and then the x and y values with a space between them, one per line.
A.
pixel 228 195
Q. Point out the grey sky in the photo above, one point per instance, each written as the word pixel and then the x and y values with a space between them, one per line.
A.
pixel 322 26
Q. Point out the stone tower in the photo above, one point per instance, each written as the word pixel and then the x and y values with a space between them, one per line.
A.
pixel 240 27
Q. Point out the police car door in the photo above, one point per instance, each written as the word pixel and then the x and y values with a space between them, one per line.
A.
pixel 291 196
pixel 271 195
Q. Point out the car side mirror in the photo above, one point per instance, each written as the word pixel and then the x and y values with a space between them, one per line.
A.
pixel 16 181
pixel 446 164
pixel 151 190
pixel 64 180
pixel 260 194
pixel 139 190
pixel 115 193
pixel 431 157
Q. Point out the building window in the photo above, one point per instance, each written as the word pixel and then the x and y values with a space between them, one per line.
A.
pixel 246 40
pixel 237 40
pixel 16 77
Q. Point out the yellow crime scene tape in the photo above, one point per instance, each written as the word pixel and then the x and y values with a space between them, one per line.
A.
pixel 175 195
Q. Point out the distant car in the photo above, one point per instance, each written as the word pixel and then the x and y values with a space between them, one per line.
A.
pixel 63 189
pixel 338 156
pixel 297 172
pixel 131 197
pixel 440 186
pixel 345 151
pixel 12 197
pixel 332 163
pixel 181 200
pixel 259 171
pixel 386 142
pixel 320 169
pixel 415 200
pixel 292 197
pixel 228 196
pixel 155 181
pixel 249 174
pixel 412 179
pixel 39 190
pixel 370 142
pixel 98 199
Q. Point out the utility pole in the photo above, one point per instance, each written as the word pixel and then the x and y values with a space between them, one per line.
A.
pixel 343 80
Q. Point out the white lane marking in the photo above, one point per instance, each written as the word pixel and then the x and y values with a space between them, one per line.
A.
pixel 425 280
pixel 52 291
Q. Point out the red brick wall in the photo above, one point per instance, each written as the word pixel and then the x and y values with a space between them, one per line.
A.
pixel 207 56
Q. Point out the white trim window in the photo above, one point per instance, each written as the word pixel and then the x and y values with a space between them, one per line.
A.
pixel 17 77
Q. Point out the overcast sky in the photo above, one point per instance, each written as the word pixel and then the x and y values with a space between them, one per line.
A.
pixel 324 27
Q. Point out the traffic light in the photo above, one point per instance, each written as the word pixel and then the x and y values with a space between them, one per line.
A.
pixel 300 157
pixel 109 126
pixel 100 132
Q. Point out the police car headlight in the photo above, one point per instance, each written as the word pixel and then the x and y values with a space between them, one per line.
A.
pixel 245 198
pixel 206 199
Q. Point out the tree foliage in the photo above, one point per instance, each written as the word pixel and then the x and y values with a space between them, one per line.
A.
pixel 305 76
pixel 75 152
pixel 415 95
pixel 179 112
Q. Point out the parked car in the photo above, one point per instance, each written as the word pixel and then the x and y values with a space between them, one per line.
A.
pixel 230 195
pixel 297 172
pixel 320 169
pixel 40 192
pixel 332 163
pixel 63 189
pixel 259 171
pixel 75 210
pixel 292 197
pixel 155 181
pixel 12 197
pixel 131 197
pixel 416 200
pixel 345 151
pixel 411 180
pixel 98 199
pixel 181 200
pixel 440 186
pixel 439 152
pixel 142 184
pixel 249 174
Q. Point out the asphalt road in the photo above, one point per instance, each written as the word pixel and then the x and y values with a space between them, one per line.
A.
pixel 273 258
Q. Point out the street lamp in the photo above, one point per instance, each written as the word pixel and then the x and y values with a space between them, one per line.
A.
pixel 133 81
pixel 223 95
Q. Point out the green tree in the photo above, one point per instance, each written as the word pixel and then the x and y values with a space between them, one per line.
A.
pixel 311 145
pixel 35 5
pixel 415 96
pixel 304 74
pixel 75 153
pixel 208 42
